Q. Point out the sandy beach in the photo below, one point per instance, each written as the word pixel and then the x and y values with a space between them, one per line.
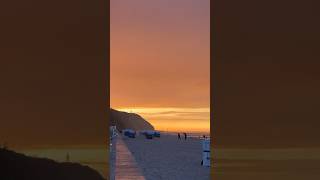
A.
pixel 168 158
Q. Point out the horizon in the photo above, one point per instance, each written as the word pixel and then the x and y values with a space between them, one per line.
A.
pixel 159 118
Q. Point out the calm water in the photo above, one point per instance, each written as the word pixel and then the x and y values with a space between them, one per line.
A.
pixel 96 158
pixel 265 164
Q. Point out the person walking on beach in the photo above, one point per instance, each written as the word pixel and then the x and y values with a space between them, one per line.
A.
pixel 185 136
pixel 179 137
pixel 68 157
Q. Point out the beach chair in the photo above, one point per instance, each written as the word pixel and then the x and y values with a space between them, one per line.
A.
pixel 156 134
pixel 129 133
pixel 149 134
pixel 205 152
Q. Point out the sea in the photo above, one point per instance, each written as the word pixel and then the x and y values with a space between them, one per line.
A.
pixel 96 158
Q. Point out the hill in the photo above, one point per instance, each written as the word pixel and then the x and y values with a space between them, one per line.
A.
pixel 124 120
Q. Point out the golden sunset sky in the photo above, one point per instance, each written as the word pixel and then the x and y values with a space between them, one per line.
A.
pixel 160 57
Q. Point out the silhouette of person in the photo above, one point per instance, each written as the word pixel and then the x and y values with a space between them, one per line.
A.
pixel 68 157
pixel 185 136
pixel 179 137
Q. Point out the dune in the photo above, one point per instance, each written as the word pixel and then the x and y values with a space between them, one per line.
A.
pixel 124 120
pixel 16 166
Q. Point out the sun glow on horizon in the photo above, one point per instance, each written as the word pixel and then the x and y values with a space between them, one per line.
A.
pixel 160 62
pixel 173 118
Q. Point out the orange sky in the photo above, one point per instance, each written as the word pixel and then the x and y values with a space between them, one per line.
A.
pixel 160 54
